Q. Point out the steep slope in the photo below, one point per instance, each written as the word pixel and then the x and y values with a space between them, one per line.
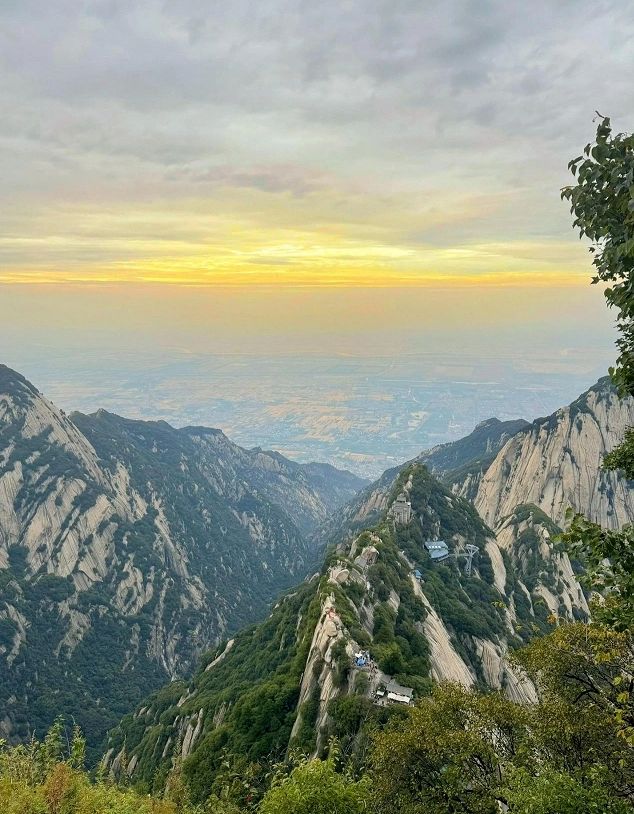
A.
pixel 555 463
pixel 310 492
pixel 127 548
pixel 455 461
pixel 334 486
pixel 295 680
pixel 364 509
pixel 545 570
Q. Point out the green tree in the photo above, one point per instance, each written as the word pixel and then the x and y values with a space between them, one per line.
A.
pixel 602 202
pixel 51 751
pixel 553 792
pixel 463 752
pixel 589 666
pixel 389 658
pixel 47 778
pixel 609 557
pixel 315 787
pixel 77 755
pixel 448 755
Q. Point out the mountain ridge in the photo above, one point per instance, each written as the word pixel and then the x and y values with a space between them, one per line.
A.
pixel 556 463
pixel 481 458
pixel 126 549
pixel 381 593
pixel 289 676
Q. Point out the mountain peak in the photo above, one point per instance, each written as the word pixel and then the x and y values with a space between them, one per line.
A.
pixel 555 463
pixel 135 545
pixel 487 423
pixel 12 381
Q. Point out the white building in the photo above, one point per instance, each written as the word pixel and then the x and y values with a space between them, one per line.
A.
pixel 402 695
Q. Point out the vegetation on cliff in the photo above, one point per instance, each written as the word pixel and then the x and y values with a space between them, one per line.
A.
pixel 248 734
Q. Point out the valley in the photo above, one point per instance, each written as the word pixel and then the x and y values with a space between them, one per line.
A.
pixel 127 548
pixel 316 421
pixel 138 558
pixel 285 683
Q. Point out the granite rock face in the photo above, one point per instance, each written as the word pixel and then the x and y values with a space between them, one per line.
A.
pixel 382 610
pixel 502 491
pixel 128 547
pixel 555 463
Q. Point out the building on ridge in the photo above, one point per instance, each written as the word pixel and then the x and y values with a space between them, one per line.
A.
pixel 367 557
pixel 402 695
pixel 438 550
pixel 402 509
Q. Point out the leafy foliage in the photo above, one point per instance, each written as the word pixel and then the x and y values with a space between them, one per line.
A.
pixel 609 555
pixel 470 753
pixel 602 202
pixel 48 778
pixel 315 787
pixel 622 457
pixel 603 205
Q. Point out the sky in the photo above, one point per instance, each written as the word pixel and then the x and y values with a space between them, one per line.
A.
pixel 290 142
pixel 346 179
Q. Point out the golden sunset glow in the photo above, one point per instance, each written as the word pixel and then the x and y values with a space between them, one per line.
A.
pixel 316 332
pixel 142 145
pixel 271 239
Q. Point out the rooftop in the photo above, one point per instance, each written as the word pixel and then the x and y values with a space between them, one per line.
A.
pixel 438 549
pixel 397 689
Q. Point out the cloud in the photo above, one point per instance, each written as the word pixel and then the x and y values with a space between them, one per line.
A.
pixel 408 106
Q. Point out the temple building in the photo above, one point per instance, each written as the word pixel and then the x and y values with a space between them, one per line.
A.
pixel 402 509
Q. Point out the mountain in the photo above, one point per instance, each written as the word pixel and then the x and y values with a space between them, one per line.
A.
pixel 552 462
pixel 293 680
pixel 128 547
pixel 454 461
pixel 555 463
pixel 525 538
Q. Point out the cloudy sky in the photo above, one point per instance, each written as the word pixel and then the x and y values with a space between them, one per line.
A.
pixel 347 142
pixel 222 211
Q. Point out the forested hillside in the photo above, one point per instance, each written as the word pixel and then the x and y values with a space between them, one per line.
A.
pixel 127 548
pixel 292 681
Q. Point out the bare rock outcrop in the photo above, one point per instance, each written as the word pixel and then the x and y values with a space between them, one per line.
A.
pixel 555 464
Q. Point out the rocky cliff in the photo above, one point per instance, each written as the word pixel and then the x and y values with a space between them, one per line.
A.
pixel 555 463
pixel 455 461
pixel 385 609
pixel 127 548
pixel 382 610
